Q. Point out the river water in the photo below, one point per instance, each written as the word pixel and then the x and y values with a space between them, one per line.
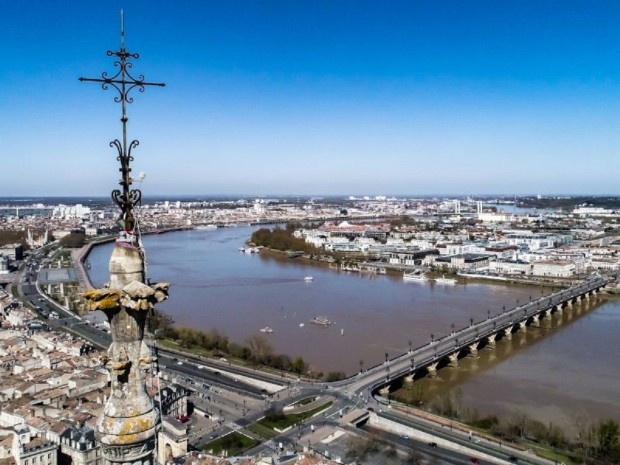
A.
pixel 216 286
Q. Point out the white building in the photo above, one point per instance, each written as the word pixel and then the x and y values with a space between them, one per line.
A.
pixel 554 268
pixel 71 212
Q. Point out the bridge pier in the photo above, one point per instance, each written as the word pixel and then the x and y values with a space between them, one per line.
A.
pixel 522 326
pixel 409 378
pixel 432 369
pixel 558 307
pixel 473 350
pixel 587 296
pixel 547 313
pixel 594 292
pixel 454 360
pixel 491 340
pixel 578 299
pixel 536 320
pixel 507 333
pixel 385 390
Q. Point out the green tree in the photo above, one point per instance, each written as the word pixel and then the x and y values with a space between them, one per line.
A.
pixel 608 432
pixel 299 366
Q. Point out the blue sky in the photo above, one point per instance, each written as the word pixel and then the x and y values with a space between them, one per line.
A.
pixel 316 97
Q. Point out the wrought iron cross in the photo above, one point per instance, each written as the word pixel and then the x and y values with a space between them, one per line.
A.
pixel 124 83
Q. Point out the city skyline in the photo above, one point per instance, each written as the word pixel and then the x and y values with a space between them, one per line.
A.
pixel 319 98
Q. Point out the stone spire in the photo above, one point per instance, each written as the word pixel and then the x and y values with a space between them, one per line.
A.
pixel 128 427
pixel 129 423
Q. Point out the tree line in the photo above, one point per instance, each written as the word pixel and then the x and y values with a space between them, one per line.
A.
pixel 256 350
pixel 280 239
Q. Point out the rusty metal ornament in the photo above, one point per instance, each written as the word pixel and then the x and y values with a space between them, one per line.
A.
pixel 124 83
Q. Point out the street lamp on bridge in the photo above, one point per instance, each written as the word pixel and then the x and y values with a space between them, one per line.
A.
pixel 432 338
pixel 361 366
pixel 488 314
pixel 471 322
pixel 452 325
pixel 410 344
pixel 386 357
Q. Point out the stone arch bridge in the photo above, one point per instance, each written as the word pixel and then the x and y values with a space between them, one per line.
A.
pixel 427 359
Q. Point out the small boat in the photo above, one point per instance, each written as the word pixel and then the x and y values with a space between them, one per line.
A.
pixel 301 325
pixel 320 320
pixel 241 249
pixel 415 276
pixel 444 280
pixel 266 329
pixel 381 270
pixel 308 279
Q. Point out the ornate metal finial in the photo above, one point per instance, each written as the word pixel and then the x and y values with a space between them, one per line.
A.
pixel 124 83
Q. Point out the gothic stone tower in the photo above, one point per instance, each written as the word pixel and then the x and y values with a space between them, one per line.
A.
pixel 128 427
pixel 129 423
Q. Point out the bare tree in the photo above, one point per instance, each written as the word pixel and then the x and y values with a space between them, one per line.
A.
pixel 259 347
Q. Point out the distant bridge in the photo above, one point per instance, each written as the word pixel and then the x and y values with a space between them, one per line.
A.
pixel 447 350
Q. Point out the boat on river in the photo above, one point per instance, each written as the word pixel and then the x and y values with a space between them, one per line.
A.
pixel 266 329
pixel 414 276
pixel 444 280
pixel 321 320
pixel 309 279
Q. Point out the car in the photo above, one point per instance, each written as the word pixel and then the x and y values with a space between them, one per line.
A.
pixel 179 362
pixel 474 460
pixel 404 436
pixel 213 436
pixel 432 444
pixel 200 367
pixel 183 418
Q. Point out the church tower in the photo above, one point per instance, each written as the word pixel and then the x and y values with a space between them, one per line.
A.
pixel 128 428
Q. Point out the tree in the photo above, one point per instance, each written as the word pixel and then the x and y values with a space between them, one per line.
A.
pixel 259 347
pixel 299 366
pixel 335 376
pixel 608 437
pixel 521 422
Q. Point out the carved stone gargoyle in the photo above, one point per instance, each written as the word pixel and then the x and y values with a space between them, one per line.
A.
pixel 134 296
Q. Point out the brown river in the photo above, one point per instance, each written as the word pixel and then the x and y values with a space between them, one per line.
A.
pixel 566 368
